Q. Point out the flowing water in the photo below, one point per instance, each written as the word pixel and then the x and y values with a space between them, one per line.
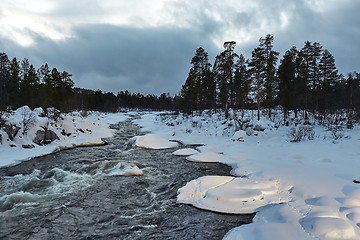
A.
pixel 74 194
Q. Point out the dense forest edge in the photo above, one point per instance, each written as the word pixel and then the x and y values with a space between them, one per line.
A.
pixel 304 81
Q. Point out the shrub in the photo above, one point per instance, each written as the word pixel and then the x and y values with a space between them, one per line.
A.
pixel 301 132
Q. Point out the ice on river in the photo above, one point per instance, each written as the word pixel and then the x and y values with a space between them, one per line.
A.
pixel 227 194
pixel 185 152
pixel 153 141
pixel 206 157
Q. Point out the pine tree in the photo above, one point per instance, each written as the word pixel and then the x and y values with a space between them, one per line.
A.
pixel 287 77
pixel 224 75
pixel 241 83
pixel 257 75
pixel 4 80
pixel 209 90
pixel 29 86
pixel 197 91
pixel 15 79
pixel 270 61
pixel 329 78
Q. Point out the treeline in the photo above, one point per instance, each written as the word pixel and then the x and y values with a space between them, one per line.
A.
pixel 304 79
pixel 22 84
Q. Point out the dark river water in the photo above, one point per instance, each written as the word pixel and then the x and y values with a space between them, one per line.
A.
pixel 71 195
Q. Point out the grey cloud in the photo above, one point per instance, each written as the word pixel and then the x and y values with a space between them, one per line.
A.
pixel 112 58
pixel 156 60
pixel 335 26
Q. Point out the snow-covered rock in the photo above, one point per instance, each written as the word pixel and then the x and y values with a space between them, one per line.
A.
pixel 229 194
pixel 153 141
pixel 205 157
pixel 185 152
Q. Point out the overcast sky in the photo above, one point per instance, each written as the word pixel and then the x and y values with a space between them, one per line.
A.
pixel 146 45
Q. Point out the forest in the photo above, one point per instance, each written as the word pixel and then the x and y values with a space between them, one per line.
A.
pixel 22 84
pixel 306 79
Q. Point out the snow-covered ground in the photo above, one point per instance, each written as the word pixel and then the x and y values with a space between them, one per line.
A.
pixel 301 190
pixel 72 129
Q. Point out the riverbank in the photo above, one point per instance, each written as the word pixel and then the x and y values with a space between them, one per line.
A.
pixel 75 194
pixel 315 180
pixel 71 129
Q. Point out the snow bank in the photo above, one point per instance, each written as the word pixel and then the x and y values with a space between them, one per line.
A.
pixel 72 129
pixel 323 172
pixel 153 141
pixel 185 152
pixel 206 157
pixel 228 194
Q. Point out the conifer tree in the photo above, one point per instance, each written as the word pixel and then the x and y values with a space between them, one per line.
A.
pixel 224 75
pixel 329 79
pixel 15 79
pixel 197 91
pixel 287 80
pixel 241 87
pixel 4 80
pixel 257 75
pixel 270 61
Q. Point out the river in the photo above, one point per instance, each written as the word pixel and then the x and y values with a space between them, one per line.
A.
pixel 71 195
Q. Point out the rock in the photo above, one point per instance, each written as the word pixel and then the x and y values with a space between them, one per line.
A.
pixel 45 136
pixel 11 130
pixel 258 128
pixel 50 136
pixel 249 132
pixel 39 137
pixel 239 136
pixel 28 146
pixel 80 130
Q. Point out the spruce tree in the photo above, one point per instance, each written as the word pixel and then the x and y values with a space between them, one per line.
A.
pixel 257 76
pixel 4 80
pixel 198 89
pixel 287 80
pixel 241 85
pixel 329 79
pixel 270 60
pixel 15 79
pixel 224 68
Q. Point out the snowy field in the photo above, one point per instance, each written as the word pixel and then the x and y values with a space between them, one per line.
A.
pixel 302 190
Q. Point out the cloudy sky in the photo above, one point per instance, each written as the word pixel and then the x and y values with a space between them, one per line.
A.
pixel 146 45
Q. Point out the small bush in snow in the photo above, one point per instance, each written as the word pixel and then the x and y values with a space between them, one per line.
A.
pixel 53 114
pixel 301 132
pixel 84 113
pixel 28 120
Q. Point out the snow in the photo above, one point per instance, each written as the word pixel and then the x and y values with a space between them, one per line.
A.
pixel 153 141
pixel 206 157
pixel 185 152
pixel 303 190
pixel 228 194
pixel 80 131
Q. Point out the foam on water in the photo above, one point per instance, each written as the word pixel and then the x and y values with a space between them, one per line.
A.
pixel 7 202
pixel 37 186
